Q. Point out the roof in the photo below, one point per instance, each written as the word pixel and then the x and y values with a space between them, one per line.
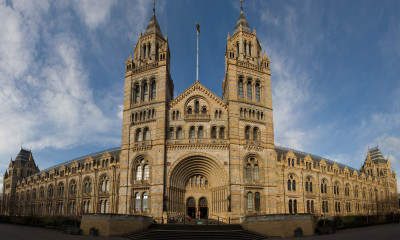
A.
pixel 153 26
pixel 283 151
pixel 23 156
pixel 96 156
pixel 242 21
pixel 376 155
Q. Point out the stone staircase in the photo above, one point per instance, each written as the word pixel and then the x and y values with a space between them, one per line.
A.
pixel 194 232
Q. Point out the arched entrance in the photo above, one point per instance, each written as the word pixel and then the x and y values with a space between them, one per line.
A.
pixel 203 207
pixel 197 184
pixel 191 207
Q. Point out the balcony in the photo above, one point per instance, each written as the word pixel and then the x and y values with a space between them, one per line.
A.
pixel 197 117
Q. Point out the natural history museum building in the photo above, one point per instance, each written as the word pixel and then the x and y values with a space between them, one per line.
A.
pixel 197 152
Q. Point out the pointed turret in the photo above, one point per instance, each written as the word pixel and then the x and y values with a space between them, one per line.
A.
pixel 11 163
pixel 242 24
pixel 153 26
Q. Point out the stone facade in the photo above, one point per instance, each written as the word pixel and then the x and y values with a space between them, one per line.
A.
pixel 198 153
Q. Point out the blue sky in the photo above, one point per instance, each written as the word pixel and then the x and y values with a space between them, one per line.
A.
pixel 335 68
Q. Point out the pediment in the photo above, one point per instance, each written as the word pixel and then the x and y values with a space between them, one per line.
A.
pixel 105 155
pixel 197 89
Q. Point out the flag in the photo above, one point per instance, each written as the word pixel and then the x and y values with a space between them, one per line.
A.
pixel 198 27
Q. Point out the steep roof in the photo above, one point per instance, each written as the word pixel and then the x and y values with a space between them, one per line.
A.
pixel 242 21
pixel 153 26
pixel 376 155
pixel 23 156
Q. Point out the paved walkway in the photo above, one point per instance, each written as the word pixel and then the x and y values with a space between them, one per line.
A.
pixel 18 232
pixel 377 232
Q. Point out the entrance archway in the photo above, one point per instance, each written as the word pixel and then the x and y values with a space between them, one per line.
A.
pixel 191 207
pixel 203 207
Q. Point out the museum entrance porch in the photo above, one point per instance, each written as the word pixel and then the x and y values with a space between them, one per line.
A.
pixel 198 189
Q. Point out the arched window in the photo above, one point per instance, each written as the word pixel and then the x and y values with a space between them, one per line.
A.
pixel 60 189
pixel 241 88
pixel 157 50
pixel 204 110
pixel 256 170
pixel 255 134
pixel 248 171
pixel 196 107
pixel 257 201
pixel 72 188
pixel 171 133
pixel 213 132
pixel 249 201
pixel 149 50
pixel 87 183
pixel 290 206
pixel 308 185
pixel 145 91
pixel 138 135
pixel 249 91
pixel 222 133
pixel 250 49
pixel 104 184
pixel 145 202
pixel 295 206
pixel 137 93
pixel 294 185
pixel 139 172
pixel 144 51
pixel 247 133
pixel 237 49
pixel 49 191
pixel 200 132
pixel 179 133
pixel 189 111
pixel 146 172
pixel 137 202
pixel 258 92
pixel 146 134
pixel 192 132
pixel 153 89
pixel 244 48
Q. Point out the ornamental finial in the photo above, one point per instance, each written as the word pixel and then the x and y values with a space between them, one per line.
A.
pixel 241 6
pixel 154 7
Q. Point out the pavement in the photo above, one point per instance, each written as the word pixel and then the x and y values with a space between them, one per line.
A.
pixel 378 232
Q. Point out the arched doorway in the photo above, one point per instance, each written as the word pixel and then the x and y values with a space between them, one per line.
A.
pixel 203 207
pixel 191 207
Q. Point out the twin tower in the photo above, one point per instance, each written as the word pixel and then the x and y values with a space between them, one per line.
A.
pixel 197 153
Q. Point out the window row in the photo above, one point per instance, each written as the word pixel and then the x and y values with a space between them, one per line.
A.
pixel 254 114
pixel 143 115
pixel 251 86
pixel 252 169
pixel 142 92
pixel 252 133
pixel 253 203
pixel 146 51
pixel 197 132
pixel 176 115
pixel 142 134
pixel 196 109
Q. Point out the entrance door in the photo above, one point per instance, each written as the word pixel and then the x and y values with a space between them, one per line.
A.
pixel 191 207
pixel 203 208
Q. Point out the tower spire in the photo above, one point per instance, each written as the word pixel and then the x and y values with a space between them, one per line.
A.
pixel 197 53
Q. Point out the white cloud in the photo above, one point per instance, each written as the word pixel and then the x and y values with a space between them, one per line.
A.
pixel 94 12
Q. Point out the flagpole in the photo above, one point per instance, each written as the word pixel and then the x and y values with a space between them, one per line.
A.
pixel 197 53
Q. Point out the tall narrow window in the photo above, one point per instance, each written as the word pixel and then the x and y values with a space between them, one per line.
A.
pixel 222 133
pixel 241 88
pixel 247 133
pixel 137 202
pixel 179 133
pixel 237 49
pixel 145 91
pixel 146 172
pixel 189 111
pixel 295 206
pixel 192 132
pixel 144 51
pixel 137 93
pixel 244 48
pixel 196 107
pixel 249 91
pixel 255 134
pixel 248 171
pixel 171 133
pixel 145 202
pixel 214 132
pixel 257 201
pixel 149 50
pixel 250 49
pixel 146 134
pixel 200 132
pixel 139 173
pixel 157 50
pixel 258 92
pixel 290 206
pixel 256 170
pixel 153 89
pixel 289 185
pixel 250 201
pixel 294 185
pixel 204 110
